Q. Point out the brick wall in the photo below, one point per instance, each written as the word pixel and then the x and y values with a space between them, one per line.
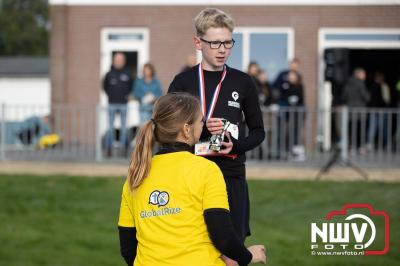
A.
pixel 75 38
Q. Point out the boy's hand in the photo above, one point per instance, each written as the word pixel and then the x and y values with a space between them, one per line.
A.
pixel 214 126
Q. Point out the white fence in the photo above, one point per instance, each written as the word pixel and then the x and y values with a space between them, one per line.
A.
pixel 365 136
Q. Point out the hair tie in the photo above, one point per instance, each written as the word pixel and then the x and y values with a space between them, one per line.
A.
pixel 153 121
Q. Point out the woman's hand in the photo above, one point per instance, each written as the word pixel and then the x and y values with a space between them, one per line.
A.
pixel 229 262
pixel 228 145
pixel 258 252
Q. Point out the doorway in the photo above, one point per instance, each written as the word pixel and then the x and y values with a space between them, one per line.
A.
pixel 371 48
pixel 387 61
pixel 134 44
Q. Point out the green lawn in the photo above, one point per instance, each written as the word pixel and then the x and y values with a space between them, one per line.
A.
pixel 51 220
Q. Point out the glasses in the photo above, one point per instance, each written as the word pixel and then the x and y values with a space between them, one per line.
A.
pixel 217 44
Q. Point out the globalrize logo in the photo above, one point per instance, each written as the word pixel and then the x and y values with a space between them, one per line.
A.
pixel 356 229
pixel 160 199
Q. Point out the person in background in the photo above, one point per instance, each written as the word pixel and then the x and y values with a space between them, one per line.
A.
pixel 30 130
pixel 288 88
pixel 117 85
pixel 292 97
pixel 147 89
pixel 267 97
pixel 282 78
pixel 292 93
pixel 397 90
pixel 397 104
pixel 174 206
pixel 191 61
pixel 379 98
pixel 355 95
pixel 253 70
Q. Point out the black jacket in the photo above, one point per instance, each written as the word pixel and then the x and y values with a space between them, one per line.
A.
pixel 377 100
pixel 243 110
pixel 118 85
pixel 355 93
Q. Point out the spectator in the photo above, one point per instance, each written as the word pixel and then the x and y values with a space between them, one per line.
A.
pixel 191 61
pixel 253 71
pixel 288 87
pixel 292 95
pixel 31 129
pixel 282 78
pixel 291 92
pixel 267 96
pixel 36 131
pixel 147 89
pixel 397 101
pixel 398 93
pixel 117 85
pixel 355 94
pixel 380 98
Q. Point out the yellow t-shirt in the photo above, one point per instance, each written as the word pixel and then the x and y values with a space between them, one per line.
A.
pixel 167 211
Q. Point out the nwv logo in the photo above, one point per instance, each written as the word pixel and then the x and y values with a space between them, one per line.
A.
pixel 338 235
pixel 340 232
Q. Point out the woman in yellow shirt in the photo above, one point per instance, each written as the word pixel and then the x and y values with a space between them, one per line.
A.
pixel 174 206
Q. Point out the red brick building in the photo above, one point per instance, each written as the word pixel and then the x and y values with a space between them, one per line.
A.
pixel 162 32
pixel 85 33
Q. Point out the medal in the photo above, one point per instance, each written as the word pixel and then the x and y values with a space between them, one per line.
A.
pixel 202 93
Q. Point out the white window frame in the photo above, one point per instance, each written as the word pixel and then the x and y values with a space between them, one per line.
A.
pixel 109 46
pixel 324 88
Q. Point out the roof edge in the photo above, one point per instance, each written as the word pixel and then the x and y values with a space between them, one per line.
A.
pixel 226 2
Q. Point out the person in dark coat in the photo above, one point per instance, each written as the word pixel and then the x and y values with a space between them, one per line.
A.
pixel 117 85
pixel 282 78
pixel 380 98
pixel 355 95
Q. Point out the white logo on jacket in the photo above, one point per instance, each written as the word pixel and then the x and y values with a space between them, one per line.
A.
pixel 235 96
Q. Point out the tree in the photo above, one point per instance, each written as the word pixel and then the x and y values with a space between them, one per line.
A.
pixel 24 27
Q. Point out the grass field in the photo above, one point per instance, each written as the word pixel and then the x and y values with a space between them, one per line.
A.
pixel 52 220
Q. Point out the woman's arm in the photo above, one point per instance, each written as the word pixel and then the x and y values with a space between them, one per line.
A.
pixel 223 236
pixel 128 243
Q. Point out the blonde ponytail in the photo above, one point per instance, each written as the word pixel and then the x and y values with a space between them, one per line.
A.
pixel 171 112
pixel 139 167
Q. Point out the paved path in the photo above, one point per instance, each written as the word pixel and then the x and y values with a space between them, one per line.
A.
pixel 254 171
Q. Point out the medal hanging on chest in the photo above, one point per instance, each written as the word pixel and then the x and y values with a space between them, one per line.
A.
pixel 215 143
pixel 202 93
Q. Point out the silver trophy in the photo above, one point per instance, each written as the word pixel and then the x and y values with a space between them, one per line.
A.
pixel 216 140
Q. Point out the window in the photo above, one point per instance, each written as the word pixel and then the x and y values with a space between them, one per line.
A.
pixel 271 48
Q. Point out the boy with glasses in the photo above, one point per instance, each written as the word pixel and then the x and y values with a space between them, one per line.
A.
pixel 227 93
